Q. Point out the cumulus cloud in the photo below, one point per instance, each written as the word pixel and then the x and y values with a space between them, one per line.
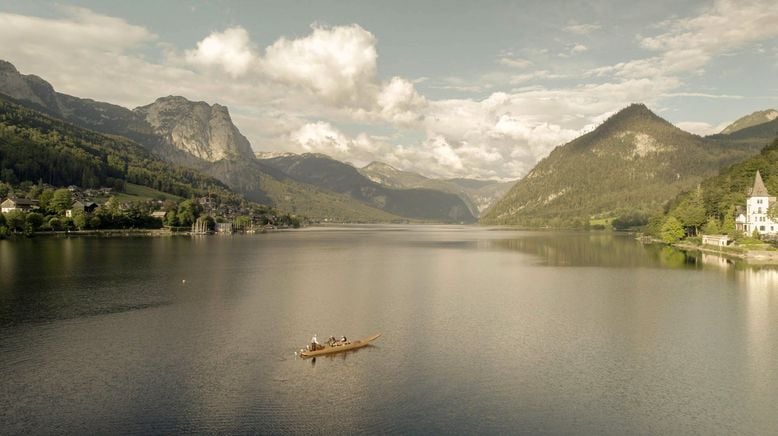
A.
pixel 312 93
pixel 336 63
pixel 230 50
pixel 323 137
pixel 399 101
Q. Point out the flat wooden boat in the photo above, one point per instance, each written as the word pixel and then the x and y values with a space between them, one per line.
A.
pixel 340 347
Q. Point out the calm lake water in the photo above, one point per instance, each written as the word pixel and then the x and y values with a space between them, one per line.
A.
pixel 484 330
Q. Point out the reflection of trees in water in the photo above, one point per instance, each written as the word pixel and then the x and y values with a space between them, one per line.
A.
pixel 597 249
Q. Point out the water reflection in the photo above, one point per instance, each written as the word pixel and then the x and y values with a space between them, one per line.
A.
pixel 596 249
pixel 484 332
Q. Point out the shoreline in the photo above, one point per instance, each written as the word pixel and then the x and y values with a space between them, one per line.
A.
pixel 122 233
pixel 752 257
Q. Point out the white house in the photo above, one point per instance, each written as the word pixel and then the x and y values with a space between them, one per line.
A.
pixel 756 217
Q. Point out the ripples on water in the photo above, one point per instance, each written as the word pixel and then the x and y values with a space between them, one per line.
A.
pixel 484 330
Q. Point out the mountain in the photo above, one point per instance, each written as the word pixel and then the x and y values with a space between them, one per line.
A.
pixel 195 135
pixel 756 135
pixel 478 195
pixel 197 128
pixel 264 184
pixel 33 92
pixel 751 120
pixel 172 127
pixel 327 173
pixel 634 161
pixel 35 147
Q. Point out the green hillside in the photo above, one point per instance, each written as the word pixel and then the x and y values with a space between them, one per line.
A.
pixel 633 163
pixel 721 195
pixel 35 147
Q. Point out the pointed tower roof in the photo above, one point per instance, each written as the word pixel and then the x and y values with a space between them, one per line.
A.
pixel 759 189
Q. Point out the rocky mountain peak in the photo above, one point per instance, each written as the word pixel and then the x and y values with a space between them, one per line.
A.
pixel 7 67
pixel 202 130
pixel 27 87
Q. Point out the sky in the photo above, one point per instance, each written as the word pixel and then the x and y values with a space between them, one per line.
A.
pixel 444 88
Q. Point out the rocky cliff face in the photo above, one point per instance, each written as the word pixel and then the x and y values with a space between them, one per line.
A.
pixel 197 128
pixel 27 88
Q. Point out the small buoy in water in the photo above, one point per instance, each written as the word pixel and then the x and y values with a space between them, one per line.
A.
pixel 183 281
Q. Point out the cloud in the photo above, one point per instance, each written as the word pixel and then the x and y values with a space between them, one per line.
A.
pixel 322 92
pixel 399 101
pixel 337 64
pixel 322 137
pixel 582 29
pixel 231 50
pixel 703 95
pixel 688 44
pixel 517 63
pixel 701 128
pixel 80 30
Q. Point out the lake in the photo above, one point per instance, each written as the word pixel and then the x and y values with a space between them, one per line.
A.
pixel 484 330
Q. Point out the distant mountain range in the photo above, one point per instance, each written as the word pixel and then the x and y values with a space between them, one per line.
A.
pixel 634 161
pixel 202 136
pixel 754 119
pixel 332 175
pixel 479 195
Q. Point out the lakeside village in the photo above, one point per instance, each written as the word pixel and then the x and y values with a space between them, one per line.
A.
pixel 30 209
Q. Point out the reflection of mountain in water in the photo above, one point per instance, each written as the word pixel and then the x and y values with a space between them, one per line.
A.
pixel 597 249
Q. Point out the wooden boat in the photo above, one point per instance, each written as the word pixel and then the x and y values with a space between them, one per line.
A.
pixel 340 347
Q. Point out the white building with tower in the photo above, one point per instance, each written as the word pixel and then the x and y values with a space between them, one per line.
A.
pixel 756 217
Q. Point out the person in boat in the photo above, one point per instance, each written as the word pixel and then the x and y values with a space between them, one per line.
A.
pixel 331 341
pixel 343 339
pixel 314 343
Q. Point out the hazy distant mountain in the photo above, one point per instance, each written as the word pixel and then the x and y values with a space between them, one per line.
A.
pixel 327 173
pixel 751 120
pixel 477 194
pixel 633 161
pixel 756 135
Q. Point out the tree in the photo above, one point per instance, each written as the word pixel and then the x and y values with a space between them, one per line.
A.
pixel 15 220
pixel 55 224
pixel 44 199
pixel 79 220
pixel 61 201
pixel 728 226
pixel 170 219
pixel 34 220
pixel 691 211
pixel 188 211
pixel 672 230
pixel 772 211
pixel 711 227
